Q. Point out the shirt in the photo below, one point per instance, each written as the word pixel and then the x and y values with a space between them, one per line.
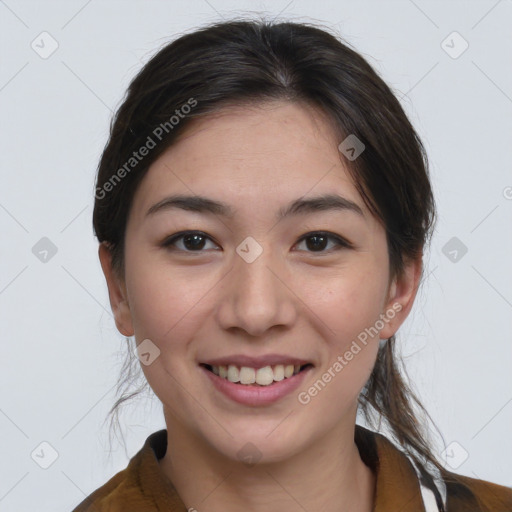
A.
pixel 143 487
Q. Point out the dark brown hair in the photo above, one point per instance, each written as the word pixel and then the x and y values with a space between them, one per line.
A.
pixel 246 62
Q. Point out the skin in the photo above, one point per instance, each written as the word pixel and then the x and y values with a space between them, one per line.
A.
pixel 293 299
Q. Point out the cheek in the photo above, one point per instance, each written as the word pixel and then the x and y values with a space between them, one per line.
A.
pixel 349 308
pixel 163 300
pixel 348 304
pixel 350 314
pixel 166 305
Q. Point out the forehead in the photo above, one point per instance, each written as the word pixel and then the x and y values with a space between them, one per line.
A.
pixel 255 155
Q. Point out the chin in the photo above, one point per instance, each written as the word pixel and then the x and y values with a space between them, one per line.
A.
pixel 261 444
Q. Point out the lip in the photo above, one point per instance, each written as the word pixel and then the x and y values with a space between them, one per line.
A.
pixel 255 395
pixel 256 362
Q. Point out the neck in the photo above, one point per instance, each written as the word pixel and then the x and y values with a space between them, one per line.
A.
pixel 327 476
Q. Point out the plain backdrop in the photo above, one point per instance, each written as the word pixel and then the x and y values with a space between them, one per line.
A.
pixel 61 353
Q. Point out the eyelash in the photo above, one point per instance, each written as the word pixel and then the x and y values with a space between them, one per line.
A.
pixel 341 243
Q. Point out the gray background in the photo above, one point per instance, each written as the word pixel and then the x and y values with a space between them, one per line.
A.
pixel 61 352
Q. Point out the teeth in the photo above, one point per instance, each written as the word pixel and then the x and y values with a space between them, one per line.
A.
pixel 278 372
pixel 233 374
pixel 262 376
pixel 247 375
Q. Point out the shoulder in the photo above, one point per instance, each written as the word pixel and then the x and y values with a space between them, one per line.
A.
pixel 394 471
pixel 138 487
pixel 114 495
pixel 466 494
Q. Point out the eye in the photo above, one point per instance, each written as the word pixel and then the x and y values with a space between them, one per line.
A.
pixel 194 241
pixel 320 240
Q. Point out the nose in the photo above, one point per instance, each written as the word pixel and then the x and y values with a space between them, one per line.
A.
pixel 257 296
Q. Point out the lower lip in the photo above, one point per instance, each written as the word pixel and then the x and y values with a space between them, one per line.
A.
pixel 255 394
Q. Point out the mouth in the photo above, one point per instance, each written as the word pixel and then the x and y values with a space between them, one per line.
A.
pixel 248 376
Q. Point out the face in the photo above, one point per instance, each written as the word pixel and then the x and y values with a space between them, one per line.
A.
pixel 310 287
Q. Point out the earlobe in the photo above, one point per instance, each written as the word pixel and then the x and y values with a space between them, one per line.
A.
pixel 117 292
pixel 402 293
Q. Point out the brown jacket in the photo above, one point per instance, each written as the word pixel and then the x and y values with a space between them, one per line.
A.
pixel 143 487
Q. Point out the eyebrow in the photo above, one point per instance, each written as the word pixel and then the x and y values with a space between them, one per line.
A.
pixel 201 204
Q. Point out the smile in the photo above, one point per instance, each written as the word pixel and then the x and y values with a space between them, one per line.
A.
pixel 255 386
pixel 256 376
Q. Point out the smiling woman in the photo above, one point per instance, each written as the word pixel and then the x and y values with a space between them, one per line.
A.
pixel 263 254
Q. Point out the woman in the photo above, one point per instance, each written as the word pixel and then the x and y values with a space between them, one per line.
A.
pixel 262 207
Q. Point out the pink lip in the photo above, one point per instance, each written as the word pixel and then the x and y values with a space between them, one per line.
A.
pixel 255 362
pixel 254 394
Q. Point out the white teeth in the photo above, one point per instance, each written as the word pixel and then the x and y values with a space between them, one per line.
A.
pixel 233 373
pixel 247 375
pixel 262 376
pixel 278 372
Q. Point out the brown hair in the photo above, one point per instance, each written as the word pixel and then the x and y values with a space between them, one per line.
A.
pixel 237 62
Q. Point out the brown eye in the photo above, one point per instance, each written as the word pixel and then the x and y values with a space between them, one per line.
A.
pixel 317 242
pixel 191 241
pixel 195 241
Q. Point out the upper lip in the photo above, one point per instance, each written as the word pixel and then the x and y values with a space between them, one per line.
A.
pixel 255 362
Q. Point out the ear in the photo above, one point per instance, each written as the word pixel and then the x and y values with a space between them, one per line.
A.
pixel 117 292
pixel 401 294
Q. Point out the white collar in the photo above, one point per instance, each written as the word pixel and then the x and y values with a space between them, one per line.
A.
pixel 428 495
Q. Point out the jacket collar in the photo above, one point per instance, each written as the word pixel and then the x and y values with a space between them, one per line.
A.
pixel 397 488
pixel 398 484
